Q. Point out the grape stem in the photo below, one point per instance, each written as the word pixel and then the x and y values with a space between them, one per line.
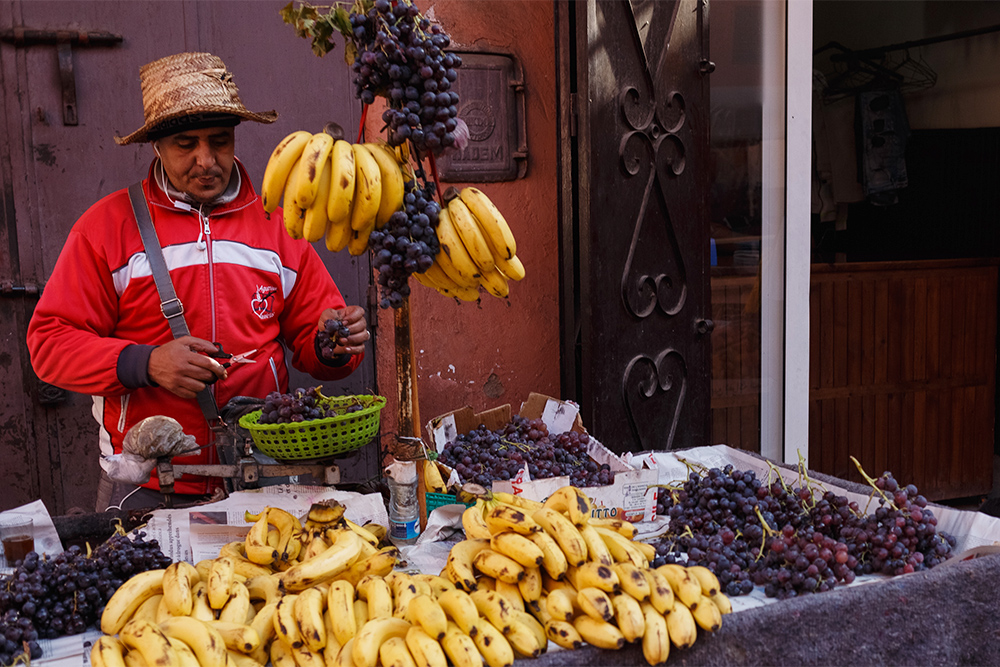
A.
pixel 768 532
pixel 871 482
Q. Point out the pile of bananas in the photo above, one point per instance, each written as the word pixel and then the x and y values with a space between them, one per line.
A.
pixel 333 189
pixel 434 481
pixel 477 248
pixel 264 598
pixel 549 571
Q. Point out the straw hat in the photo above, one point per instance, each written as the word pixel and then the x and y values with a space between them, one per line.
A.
pixel 185 85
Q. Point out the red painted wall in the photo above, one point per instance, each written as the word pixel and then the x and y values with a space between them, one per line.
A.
pixel 500 351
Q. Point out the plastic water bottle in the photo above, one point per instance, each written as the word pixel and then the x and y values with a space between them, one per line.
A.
pixel 404 507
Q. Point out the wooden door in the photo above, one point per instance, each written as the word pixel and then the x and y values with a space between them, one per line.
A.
pixel 637 344
pixel 51 172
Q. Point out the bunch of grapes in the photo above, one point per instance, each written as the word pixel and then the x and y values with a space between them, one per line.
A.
pixel 64 595
pixel 791 541
pixel 482 455
pixel 328 337
pixel 400 55
pixel 299 406
pixel 406 245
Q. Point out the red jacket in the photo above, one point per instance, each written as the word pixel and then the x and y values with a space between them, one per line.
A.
pixel 242 280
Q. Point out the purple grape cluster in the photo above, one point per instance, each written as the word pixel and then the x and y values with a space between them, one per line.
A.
pixel 482 455
pixel 401 56
pixel 330 336
pixel 299 406
pixel 790 540
pixel 406 245
pixel 48 597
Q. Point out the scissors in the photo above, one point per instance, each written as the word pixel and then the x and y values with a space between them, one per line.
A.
pixel 231 359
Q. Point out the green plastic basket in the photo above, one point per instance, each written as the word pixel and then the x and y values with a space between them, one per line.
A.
pixel 318 438
pixel 436 500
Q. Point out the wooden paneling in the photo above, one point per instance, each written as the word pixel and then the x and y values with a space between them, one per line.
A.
pixel 902 371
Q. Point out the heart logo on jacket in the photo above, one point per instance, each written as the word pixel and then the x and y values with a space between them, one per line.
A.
pixel 262 303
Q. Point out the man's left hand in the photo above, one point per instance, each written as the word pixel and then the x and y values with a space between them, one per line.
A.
pixel 354 318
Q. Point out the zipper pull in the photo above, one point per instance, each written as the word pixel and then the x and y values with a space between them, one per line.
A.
pixel 206 231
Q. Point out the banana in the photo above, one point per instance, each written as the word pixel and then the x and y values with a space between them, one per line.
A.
pixel 379 564
pixel 460 648
pixel 661 595
pixel 562 605
pixel 307 610
pixel 338 235
pixel 128 597
pixel 433 481
pixel 553 559
pixel 563 634
pixel 133 659
pixel 367 189
pixel 107 652
pixel 360 612
pixel 340 603
pixel 264 588
pixel 220 582
pixel 681 626
pixel 459 564
pixel 325 566
pixel 281 654
pixel 358 243
pixel 185 656
pixel 426 650
pixel 294 214
pixel 306 657
pixel 238 609
pixel 485 583
pixel 517 547
pixel 629 617
pixel 436 583
pixel 517 500
pixel 655 639
pixel 707 615
pixel 342 176
pixel 204 567
pixel 145 639
pixel 621 548
pixel 425 611
pixel 263 625
pixel 721 601
pixel 596 575
pixel 473 524
pixel 573 502
pixel 256 545
pixel 237 636
pixel 706 579
pixel 315 223
pixel 539 609
pixel 597 550
pixel 522 637
pixel 206 642
pixel 151 608
pixel 461 609
pixel 376 592
pixel 286 628
pixel 285 156
pixel 647 549
pixel 511 593
pixel 498 566
pixel 393 653
pixel 512 268
pixel 362 532
pixel 380 532
pixel 493 607
pixel 453 258
pixel 392 183
pixel 237 659
pixel 493 225
pixel 633 581
pixel 201 609
pixel 565 534
pixel 535 627
pixel 178 579
pixel 492 645
pixel 470 234
pixel 598 633
pixel 625 528
pixel 315 156
pixel 373 634
pixel 333 647
pixel 686 588
pixel 595 603
pixel 501 517
pixel 530 588
pixel 272 537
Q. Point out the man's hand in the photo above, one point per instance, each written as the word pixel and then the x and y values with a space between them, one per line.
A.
pixel 354 318
pixel 182 367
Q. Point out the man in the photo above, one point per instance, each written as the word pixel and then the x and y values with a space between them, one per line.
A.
pixel 241 281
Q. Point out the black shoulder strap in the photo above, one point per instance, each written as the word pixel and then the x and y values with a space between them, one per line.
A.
pixel 170 305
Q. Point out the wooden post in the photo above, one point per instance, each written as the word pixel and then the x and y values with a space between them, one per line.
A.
pixel 406 393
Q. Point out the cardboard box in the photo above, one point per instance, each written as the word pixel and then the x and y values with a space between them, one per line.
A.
pixel 630 496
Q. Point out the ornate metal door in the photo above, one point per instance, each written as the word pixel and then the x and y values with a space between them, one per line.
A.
pixel 641 330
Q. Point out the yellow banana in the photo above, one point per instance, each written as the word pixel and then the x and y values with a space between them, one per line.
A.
pixel 263 625
pixel 563 634
pixel 340 602
pixel 178 580
pixel 460 648
pixel 375 591
pixel 425 611
pixel 562 605
pixel 285 155
pixel 264 588
pixel 625 528
pixel 325 566
pixel 534 626
pixel 686 588
pixel 461 609
pixel 721 601
pixel 470 234
pixel 238 608
pixel 425 649
pixel 595 603
pixel 367 189
pixel 237 636
pixel 596 575
pixel 338 235
pixel 706 579
pixel 307 611
pixel 633 580
pixel 647 549
pixel 360 612
pixel 707 615
pixel 149 642
pixel 379 564
pixel 151 609
pixel 597 550
pixel 373 634
pixel 220 582
pixel 433 481
pixel 315 156
pixel 621 548
pixel 393 653
pixel 554 560
pixel 655 639
pixel 436 583
pixel 510 593
pixel 494 283
pixel 392 183
pixel 358 243
pixel 256 545
pixel 107 652
pixel 362 532
pixel 306 657
pixel 629 617
pixel 473 524
pixel 492 223
pixel 494 607
pixel 502 517
pixel 565 534
pixel 492 645
pixel 539 609
pixel 206 642
pixel 201 609
pixel 237 659
pixel 315 223
pixel 286 628
pixel 573 502
pixel 661 595
pixel 530 587
pixel 128 597
pixel 281 654
pixel 185 656
pixel 512 268
pixel 295 215
pixel 332 649
pixel 681 626
pixel 459 564
pixel 498 566
pixel 453 258
pixel 342 176
pixel 522 639
pixel 598 633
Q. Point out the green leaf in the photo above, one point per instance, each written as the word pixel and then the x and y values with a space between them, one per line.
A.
pixel 288 14
pixel 350 53
pixel 342 22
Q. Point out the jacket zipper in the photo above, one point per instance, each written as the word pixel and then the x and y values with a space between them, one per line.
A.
pixel 207 231
pixel 124 412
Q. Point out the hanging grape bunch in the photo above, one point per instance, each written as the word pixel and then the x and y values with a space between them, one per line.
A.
pixel 406 245
pixel 400 56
